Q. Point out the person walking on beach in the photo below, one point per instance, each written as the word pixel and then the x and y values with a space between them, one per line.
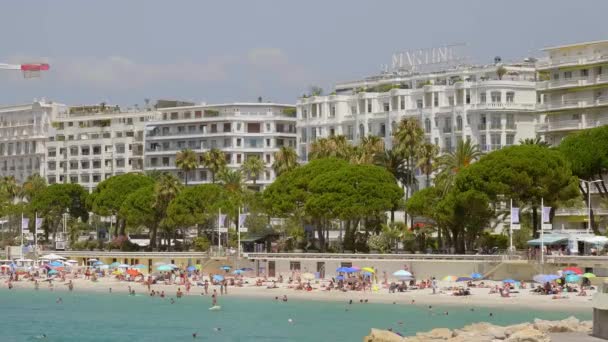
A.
pixel 221 288
pixel 225 286
pixel 71 286
pixel 434 285
pixel 206 286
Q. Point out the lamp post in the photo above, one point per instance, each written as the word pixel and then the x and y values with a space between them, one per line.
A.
pixel 589 198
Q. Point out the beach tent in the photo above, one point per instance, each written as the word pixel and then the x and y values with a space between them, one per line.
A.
pixel 52 257
pixel 55 264
pixel 549 240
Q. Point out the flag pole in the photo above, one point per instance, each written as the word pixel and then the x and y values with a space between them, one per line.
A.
pixel 219 232
pixel 238 230
pixel 35 237
pixel 21 231
pixel 542 231
pixel 511 228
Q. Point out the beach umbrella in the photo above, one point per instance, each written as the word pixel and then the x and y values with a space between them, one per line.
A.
pixel 308 276
pixel 138 266
pixel 510 281
pixel 218 277
pixel 114 264
pixel 450 278
pixel 159 263
pixel 133 272
pixel 368 270
pixel 225 268
pixel 5 266
pixel 355 268
pixel 92 259
pixel 545 278
pixel 164 268
pixel 238 272
pixel 173 265
pixel 98 263
pixel 51 272
pixel 191 268
pixel 589 275
pixel 568 272
pixel 340 277
pixel 52 257
pixel 572 278
pixel 124 266
pixel 368 274
pixel 464 279
pixel 477 276
pixel 198 266
pixel 247 269
pixel 402 273
pixel 352 269
pixel 574 269
pixel 55 264
pixel 103 267
pixel 342 269
pixel 117 271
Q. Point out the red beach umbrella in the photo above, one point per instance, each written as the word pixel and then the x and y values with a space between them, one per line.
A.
pixel 574 269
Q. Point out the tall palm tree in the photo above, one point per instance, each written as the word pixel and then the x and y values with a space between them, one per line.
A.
pixel 166 188
pixel 408 138
pixel 10 187
pixel 369 147
pixel 394 162
pixel 253 166
pixel 285 159
pixel 335 146
pixel 187 161
pixel 533 141
pixel 232 180
pixel 450 164
pixel 32 186
pixel 215 161
pixel 427 153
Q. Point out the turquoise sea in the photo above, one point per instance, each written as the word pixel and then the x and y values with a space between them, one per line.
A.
pixel 27 314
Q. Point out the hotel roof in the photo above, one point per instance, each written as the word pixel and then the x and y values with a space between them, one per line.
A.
pixel 567 46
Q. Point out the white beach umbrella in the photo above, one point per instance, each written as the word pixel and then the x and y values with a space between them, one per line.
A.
pixel 52 257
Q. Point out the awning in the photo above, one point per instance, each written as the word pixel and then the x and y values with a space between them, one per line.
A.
pixel 595 240
pixel 549 240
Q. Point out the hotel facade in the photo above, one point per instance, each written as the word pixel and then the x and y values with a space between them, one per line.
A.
pixel 239 130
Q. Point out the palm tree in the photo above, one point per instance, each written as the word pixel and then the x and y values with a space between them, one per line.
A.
pixel 166 188
pixel 187 161
pixel 369 147
pixel 395 231
pixel 501 71
pixel 427 153
pixel 450 164
pixel 253 166
pixel 10 187
pixel 285 159
pixel 394 162
pixel 32 186
pixel 335 146
pixel 232 180
pixel 534 141
pixel 408 138
pixel 215 161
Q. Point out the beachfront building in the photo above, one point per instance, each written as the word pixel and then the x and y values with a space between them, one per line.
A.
pixel 491 105
pixel 239 130
pixel 24 137
pixel 573 95
pixel 88 144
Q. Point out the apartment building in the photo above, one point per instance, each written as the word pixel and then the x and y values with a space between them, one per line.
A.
pixel 240 130
pixel 24 133
pixel 88 144
pixel 491 108
pixel 573 95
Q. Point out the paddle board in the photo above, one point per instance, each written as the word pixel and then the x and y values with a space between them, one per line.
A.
pixel 215 308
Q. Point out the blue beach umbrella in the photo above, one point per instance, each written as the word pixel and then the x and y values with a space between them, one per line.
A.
pixel 477 276
pixel 568 272
pixel 114 264
pixel 98 263
pixel 572 278
pixel 545 278
pixel 51 272
pixel 55 264
pixel 246 269
pixel 351 270
pixel 225 268
pixel 164 268
pixel 342 269
pixel 138 266
pixel 218 277
pixel 238 272
pixel 191 268
pixel 510 281
pixel 464 279
pixel 367 274
pixel 340 277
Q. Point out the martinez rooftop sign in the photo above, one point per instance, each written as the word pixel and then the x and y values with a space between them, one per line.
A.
pixel 426 60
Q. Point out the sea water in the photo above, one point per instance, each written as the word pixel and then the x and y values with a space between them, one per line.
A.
pixel 25 315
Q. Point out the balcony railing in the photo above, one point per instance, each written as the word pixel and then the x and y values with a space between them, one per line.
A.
pixel 502 105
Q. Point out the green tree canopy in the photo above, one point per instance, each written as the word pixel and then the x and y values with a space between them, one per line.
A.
pixel 56 199
pixel 198 204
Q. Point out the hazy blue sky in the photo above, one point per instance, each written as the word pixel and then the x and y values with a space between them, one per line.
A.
pixel 219 51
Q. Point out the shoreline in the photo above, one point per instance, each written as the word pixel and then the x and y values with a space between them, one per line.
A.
pixel 479 297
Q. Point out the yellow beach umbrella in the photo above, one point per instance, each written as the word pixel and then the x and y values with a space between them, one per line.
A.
pixel 449 278
pixel 368 269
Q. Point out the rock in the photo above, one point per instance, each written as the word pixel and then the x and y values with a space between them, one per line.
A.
pixel 378 335
pixel 585 326
pixel 488 331
pixel 570 324
pixel 436 334
pixel 512 329
pixel 528 335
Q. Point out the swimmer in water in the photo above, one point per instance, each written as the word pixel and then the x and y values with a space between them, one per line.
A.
pixel 193 335
pixel 284 298
pixel 446 313
pixel 217 329
pixel 110 290
pixel 350 301
pixel 172 301
pixel 491 314
pixel 59 300
pixel 413 301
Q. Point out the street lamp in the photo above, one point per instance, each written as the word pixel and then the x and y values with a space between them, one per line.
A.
pixel 589 198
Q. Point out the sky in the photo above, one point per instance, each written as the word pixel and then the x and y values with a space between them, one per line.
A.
pixel 122 52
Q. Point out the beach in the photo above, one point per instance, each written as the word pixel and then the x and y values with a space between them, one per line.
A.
pixel 479 296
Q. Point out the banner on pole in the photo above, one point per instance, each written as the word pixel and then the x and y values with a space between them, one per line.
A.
pixel 546 214
pixel 38 223
pixel 514 215
pixel 25 223
pixel 242 219
pixel 222 220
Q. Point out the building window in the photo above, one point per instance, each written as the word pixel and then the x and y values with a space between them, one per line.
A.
pixel 495 123
pixel 468 97
pixel 361 131
pixel 386 107
pixel 202 175
pixel 427 125
pixel 402 102
pixel 382 130
pixel 332 112
pixel 369 106
pixel 459 123
pixel 510 96
pixel 496 97
pixel 510 121
pixel 510 139
pixel 584 72
pixel 451 100
pixel 435 99
pixel 483 142
pixel 419 103
pixel 568 74
pixel 447 125
pixel 482 97
pixel 349 132
pixel 495 140
pixel 267 158
pixel 447 143
pixel 198 114
pixel 294 265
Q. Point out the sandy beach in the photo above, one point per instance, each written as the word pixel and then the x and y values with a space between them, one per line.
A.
pixel 479 297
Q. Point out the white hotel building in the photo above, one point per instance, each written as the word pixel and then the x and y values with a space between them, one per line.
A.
pixel 463 102
pixel 574 96
pixel 24 130
pixel 88 144
pixel 240 130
